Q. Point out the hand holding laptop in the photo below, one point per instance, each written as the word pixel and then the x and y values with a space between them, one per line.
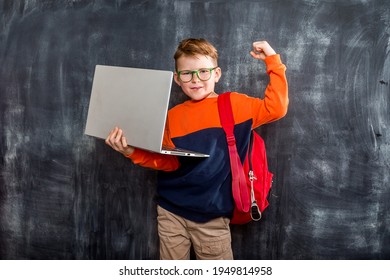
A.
pixel 138 97
pixel 117 141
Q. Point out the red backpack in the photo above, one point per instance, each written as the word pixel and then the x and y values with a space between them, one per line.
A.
pixel 251 181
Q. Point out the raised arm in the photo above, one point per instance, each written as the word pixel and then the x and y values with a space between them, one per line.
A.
pixel 275 103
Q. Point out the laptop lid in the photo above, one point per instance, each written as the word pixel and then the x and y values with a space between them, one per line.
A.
pixel 134 99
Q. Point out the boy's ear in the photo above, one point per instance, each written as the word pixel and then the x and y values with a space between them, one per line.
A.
pixel 176 78
pixel 218 74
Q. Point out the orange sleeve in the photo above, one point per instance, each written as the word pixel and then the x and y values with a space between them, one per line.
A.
pixel 275 103
pixel 154 160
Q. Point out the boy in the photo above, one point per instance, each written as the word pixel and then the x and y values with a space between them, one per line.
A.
pixel 195 197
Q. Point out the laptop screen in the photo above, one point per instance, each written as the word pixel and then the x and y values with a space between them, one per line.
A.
pixel 134 99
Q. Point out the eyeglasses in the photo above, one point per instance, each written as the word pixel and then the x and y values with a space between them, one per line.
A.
pixel 204 74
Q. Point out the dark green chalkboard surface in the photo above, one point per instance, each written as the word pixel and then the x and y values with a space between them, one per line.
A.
pixel 64 195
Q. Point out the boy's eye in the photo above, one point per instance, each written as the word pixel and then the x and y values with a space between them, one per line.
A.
pixel 186 73
pixel 203 71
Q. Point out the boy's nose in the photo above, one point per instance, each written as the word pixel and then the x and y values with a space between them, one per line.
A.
pixel 195 78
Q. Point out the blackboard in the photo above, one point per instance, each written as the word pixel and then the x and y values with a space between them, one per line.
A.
pixel 64 195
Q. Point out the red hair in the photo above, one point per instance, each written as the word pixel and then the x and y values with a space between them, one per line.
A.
pixel 192 47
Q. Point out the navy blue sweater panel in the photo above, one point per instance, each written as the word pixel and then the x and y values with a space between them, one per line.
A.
pixel 201 189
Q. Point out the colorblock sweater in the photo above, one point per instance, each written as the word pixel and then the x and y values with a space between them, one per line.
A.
pixel 199 189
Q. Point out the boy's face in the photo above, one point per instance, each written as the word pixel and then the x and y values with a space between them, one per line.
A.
pixel 197 89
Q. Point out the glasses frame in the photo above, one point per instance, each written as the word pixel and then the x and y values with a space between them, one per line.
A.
pixel 197 74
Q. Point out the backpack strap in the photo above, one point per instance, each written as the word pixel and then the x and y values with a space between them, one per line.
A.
pixel 239 184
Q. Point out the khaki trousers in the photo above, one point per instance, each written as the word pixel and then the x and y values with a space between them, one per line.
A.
pixel 210 240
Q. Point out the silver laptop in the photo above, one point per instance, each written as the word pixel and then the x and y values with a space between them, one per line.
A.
pixel 136 100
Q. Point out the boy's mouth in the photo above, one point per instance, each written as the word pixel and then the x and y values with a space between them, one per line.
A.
pixel 195 88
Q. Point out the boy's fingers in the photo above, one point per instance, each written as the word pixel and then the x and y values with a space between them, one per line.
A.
pixel 257 55
pixel 256 52
pixel 124 142
pixel 110 135
pixel 118 135
pixel 114 138
pixel 263 48
pixel 117 139
pixel 257 45
pixel 253 54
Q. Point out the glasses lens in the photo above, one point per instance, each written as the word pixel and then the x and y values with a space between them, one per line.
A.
pixel 204 74
pixel 185 76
